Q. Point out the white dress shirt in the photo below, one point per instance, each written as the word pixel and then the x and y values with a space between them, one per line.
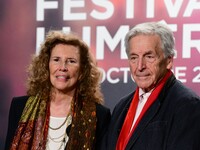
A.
pixel 142 100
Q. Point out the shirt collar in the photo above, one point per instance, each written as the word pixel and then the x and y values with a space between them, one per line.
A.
pixel 142 93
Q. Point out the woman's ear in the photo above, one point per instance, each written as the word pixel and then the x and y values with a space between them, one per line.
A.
pixel 80 76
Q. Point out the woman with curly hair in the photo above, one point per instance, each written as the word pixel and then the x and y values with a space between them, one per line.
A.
pixel 63 108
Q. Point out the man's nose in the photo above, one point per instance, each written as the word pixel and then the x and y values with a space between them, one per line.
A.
pixel 141 63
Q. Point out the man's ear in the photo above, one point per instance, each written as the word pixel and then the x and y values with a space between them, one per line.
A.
pixel 170 62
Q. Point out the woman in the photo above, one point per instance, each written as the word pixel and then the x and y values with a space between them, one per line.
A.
pixel 63 107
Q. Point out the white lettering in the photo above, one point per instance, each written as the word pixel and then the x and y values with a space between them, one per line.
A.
pixel 111 70
pixel 87 35
pixel 196 79
pixel 193 4
pixel 104 36
pixel 41 6
pixel 188 43
pixel 68 5
pixel 66 29
pixel 150 8
pixel 105 4
pixel 40 35
pixel 179 74
pixel 173 9
pixel 125 75
pixel 130 9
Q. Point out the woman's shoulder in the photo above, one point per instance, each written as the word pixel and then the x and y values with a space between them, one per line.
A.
pixel 103 118
pixel 19 101
pixel 101 108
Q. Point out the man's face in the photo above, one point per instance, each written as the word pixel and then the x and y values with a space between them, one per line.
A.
pixel 147 62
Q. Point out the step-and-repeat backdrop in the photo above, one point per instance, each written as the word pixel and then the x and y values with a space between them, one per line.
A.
pixel 103 25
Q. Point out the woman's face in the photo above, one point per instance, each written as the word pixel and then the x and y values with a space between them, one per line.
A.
pixel 64 66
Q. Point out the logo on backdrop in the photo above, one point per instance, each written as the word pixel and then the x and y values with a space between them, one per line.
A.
pixel 103 24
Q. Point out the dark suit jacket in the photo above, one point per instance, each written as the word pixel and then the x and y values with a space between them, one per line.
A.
pixel 18 104
pixel 171 123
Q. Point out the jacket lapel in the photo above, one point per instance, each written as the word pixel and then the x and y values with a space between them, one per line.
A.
pixel 118 120
pixel 123 113
pixel 151 112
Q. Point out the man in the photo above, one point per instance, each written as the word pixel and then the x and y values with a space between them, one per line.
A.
pixel 161 114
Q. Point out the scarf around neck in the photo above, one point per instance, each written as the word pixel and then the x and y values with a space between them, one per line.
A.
pixel 126 131
pixel 32 130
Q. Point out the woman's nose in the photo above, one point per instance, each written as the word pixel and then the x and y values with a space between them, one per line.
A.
pixel 63 66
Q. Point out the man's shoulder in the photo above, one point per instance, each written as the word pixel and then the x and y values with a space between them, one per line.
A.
pixel 181 91
pixel 124 102
pixel 101 108
pixel 126 99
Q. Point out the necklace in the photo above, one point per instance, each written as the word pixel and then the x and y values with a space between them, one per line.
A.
pixel 56 139
pixel 63 142
pixel 60 140
pixel 60 125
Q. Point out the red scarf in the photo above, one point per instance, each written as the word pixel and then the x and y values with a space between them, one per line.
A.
pixel 126 131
